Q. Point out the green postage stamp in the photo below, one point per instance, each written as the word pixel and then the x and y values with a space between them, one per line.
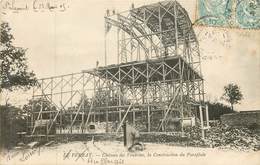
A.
pixel 230 13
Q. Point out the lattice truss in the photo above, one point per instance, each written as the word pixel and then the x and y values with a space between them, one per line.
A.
pixel 158 75
pixel 156 30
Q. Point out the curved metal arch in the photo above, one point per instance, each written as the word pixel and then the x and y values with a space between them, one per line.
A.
pixel 185 14
pixel 185 29
pixel 128 31
pixel 140 29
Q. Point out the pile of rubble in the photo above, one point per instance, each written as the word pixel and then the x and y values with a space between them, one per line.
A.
pixel 218 136
pixel 225 137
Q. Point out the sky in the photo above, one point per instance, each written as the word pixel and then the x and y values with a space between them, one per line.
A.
pixel 61 42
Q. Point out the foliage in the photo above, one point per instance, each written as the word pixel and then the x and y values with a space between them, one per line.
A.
pixel 14 75
pixel 14 69
pixel 101 98
pixel 217 109
pixel 232 94
pixel 35 105
pixel 12 120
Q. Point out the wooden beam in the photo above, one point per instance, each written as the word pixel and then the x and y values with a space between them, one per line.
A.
pixel 207 115
pixel 201 123
pixel 38 117
pixel 81 104
pixel 121 123
pixel 148 119
pixel 133 117
pixel 90 111
pixel 169 108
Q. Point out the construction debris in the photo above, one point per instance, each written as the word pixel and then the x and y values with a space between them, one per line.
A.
pixel 225 137
pixel 218 136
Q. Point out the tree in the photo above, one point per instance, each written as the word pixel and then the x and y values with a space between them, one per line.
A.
pixel 14 74
pixel 14 69
pixel 217 109
pixel 232 94
pixel 38 104
pixel 12 120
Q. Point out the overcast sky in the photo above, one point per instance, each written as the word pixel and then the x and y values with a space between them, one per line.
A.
pixel 70 41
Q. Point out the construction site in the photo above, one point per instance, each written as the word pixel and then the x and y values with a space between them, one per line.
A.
pixel 156 83
pixel 141 98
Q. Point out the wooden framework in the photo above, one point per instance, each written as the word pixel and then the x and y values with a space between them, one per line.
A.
pixel 166 81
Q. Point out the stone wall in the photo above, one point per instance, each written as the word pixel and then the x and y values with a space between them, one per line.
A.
pixel 251 118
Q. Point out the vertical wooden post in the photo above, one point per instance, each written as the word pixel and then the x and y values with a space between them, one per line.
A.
pixel 207 115
pixel 133 82
pixel 148 119
pixel 47 131
pixel 50 114
pixel 106 120
pixel 41 116
pixel 120 113
pixel 107 102
pixel 82 118
pixel 124 132
pixel 160 29
pixel 133 117
pixel 83 113
pixel 131 44
pixel 118 48
pixel 181 64
pixel 148 101
pixel 40 113
pixel 61 97
pixel 32 119
pixel 176 27
pixel 70 120
pixel 161 96
pixel 119 96
pixel 83 106
pixel 105 42
pixel 71 93
pixel 201 122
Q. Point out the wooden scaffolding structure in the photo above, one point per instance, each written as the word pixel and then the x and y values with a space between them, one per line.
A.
pixel 158 74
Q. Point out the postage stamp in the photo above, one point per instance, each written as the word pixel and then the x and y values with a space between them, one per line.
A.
pixel 229 13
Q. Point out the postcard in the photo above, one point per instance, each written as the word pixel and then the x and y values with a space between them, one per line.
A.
pixel 124 82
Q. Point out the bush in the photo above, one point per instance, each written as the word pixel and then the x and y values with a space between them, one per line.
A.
pixel 11 122
pixel 218 109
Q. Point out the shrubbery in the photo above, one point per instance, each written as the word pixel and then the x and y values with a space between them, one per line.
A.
pixel 11 122
pixel 217 109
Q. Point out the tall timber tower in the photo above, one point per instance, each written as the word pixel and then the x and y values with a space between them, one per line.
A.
pixel 158 57
pixel 155 80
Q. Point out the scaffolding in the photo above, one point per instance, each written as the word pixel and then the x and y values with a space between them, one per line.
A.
pixel 157 77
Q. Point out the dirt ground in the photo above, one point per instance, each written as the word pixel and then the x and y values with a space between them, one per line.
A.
pixel 114 153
